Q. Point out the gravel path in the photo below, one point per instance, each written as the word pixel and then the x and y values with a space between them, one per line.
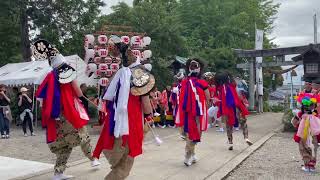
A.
pixel 277 159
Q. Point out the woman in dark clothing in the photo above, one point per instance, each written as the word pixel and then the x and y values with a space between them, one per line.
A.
pixel 4 113
pixel 26 116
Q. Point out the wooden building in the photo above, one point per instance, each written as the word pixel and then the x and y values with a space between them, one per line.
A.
pixel 311 63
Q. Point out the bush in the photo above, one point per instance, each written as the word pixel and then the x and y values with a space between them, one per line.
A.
pixel 266 107
pixel 286 120
pixel 277 108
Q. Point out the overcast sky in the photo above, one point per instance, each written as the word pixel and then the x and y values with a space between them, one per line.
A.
pixel 293 26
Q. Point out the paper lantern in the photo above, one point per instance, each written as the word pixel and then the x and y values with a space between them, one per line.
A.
pixel 114 67
pixel 125 39
pixel 103 81
pixel 146 41
pixel 89 55
pixel 103 52
pixel 103 67
pixel 98 73
pixel 136 53
pixel 146 54
pixel 109 73
pixel 135 42
pixel 148 67
pixel 102 39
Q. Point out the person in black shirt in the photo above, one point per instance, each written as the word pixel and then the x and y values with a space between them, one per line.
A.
pixel 4 113
pixel 26 116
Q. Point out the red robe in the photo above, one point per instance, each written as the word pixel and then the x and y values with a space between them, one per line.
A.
pixel 67 97
pixel 135 138
pixel 189 109
pixel 229 102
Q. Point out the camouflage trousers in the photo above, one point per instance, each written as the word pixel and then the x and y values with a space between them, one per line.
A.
pixel 120 161
pixel 191 145
pixel 67 138
pixel 243 125
pixel 190 148
pixel 308 155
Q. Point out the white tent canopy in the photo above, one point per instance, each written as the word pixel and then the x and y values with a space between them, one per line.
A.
pixel 33 73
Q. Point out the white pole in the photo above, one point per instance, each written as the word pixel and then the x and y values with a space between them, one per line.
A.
pixel 291 96
pixel 34 105
pixel 315 29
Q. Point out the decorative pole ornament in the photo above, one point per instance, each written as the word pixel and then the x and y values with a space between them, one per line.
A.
pixel 42 49
pixel 102 39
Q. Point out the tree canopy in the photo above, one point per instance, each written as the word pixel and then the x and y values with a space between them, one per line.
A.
pixel 208 29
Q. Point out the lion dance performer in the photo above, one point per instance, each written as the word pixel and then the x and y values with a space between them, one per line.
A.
pixel 63 115
pixel 213 111
pixel 230 103
pixel 193 100
pixel 128 105
pixel 307 123
pixel 175 101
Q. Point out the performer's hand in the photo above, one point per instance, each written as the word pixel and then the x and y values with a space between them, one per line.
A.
pixel 215 100
pixel 149 119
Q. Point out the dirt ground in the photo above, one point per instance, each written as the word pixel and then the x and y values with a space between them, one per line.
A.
pixel 277 159
pixel 35 148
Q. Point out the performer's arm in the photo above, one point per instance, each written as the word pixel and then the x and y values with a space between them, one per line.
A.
pixel 207 93
pixel 147 109
pixel 146 104
pixel 76 88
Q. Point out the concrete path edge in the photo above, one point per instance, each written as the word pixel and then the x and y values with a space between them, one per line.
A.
pixel 232 164
pixel 219 174
pixel 71 164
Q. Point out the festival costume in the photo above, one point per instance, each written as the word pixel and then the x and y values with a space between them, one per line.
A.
pixel 214 104
pixel 155 102
pixel 122 142
pixel 168 107
pixel 229 105
pixel 174 99
pixel 308 130
pixel 127 97
pixel 63 115
pixel 192 112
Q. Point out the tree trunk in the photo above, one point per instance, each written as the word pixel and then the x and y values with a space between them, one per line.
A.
pixel 24 28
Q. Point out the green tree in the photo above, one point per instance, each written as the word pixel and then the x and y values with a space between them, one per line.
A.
pixel 205 28
pixel 62 22
pixel 65 22
pixel 9 32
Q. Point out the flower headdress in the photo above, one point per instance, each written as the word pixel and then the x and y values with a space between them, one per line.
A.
pixel 307 99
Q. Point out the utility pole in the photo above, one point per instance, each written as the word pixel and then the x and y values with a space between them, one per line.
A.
pixel 251 84
pixel 315 24
pixel 259 72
